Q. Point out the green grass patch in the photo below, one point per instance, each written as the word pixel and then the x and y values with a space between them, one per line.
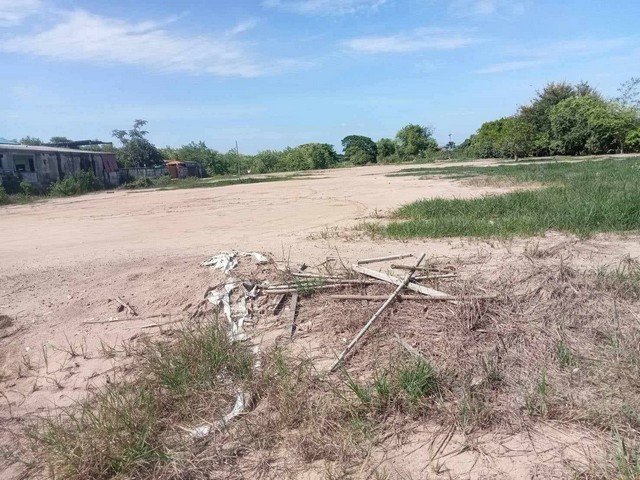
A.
pixel 581 198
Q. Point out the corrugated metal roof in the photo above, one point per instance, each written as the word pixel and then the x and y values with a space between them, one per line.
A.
pixel 30 148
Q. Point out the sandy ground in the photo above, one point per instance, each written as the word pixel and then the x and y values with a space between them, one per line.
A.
pixel 63 262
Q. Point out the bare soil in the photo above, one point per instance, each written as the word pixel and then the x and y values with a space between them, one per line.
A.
pixel 63 262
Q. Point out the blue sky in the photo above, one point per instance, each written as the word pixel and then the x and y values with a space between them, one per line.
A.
pixel 277 73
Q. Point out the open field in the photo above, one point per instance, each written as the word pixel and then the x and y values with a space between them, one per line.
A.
pixel 565 326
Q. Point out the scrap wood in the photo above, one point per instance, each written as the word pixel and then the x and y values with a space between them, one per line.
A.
pixel 115 320
pixel 396 281
pixel 277 291
pixel 422 298
pixel 396 266
pixel 126 306
pixel 292 314
pixel 436 276
pixel 311 284
pixel 277 303
pixel 384 259
pixel 403 284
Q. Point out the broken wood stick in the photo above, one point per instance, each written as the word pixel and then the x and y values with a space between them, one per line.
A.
pixel 310 283
pixel 115 320
pixel 436 276
pixel 292 314
pixel 425 268
pixel 126 306
pixel 302 288
pixel 277 303
pixel 396 281
pixel 403 284
pixel 384 259
pixel 418 298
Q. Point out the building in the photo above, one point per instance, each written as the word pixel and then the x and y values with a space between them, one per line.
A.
pixel 42 165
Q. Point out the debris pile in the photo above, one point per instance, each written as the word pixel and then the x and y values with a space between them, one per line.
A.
pixel 235 299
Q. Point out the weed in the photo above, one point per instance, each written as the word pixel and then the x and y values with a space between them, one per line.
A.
pixel 581 198
pixel 564 355
pixel 418 379
pixel 624 279
pixel 537 401
pixel 627 460
pixel 107 350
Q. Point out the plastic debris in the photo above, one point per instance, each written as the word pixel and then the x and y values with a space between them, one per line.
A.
pixel 227 261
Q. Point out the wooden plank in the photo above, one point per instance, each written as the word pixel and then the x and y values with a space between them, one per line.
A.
pixel 375 316
pixel 292 314
pixel 418 298
pixel 277 303
pixel 396 281
pixel 384 259
pixel 396 266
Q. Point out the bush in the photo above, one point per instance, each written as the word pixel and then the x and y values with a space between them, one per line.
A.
pixel 163 181
pixel 26 188
pixel 142 182
pixel 76 184
pixel 11 184
pixel 4 198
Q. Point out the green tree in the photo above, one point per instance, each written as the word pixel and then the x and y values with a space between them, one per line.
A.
pixel 537 113
pixel 267 161
pixel 632 140
pixel 359 149
pixel 386 149
pixel 609 125
pixel 32 141
pixel 136 150
pixel 517 138
pixel 60 140
pixel 415 139
pixel 488 140
pixel 308 157
pixel 213 162
pixel 629 93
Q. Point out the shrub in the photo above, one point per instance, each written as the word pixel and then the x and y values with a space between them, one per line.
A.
pixel 163 181
pixel 26 188
pixel 76 184
pixel 11 184
pixel 142 182
pixel 4 198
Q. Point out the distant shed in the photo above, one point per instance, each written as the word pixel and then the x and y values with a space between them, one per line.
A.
pixel 42 165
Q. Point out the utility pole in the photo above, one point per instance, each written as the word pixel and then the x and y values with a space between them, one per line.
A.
pixel 238 158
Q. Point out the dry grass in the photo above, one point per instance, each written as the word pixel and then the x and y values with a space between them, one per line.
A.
pixel 551 344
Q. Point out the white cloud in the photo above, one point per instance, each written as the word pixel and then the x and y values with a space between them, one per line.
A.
pixel 13 12
pixel 243 26
pixel 89 38
pixel 560 51
pixel 487 7
pixel 415 41
pixel 324 7
pixel 511 66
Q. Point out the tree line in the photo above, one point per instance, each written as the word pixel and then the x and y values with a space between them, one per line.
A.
pixel 562 119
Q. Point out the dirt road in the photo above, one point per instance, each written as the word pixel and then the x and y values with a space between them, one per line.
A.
pixel 265 216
